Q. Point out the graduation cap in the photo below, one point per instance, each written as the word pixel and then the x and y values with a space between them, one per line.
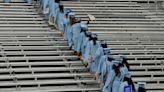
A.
pixel 72 15
pixel 115 62
pixel 67 11
pixel 107 51
pixel 94 35
pixel 84 26
pixel 125 72
pixel 88 33
pixel 91 17
pixel 102 42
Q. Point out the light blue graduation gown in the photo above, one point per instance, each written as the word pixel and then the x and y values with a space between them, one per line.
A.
pixel 109 82
pixel 76 28
pixel 65 23
pixel 60 21
pixel 116 83
pixel 80 42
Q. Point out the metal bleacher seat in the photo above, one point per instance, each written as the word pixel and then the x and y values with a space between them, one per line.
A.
pixel 133 28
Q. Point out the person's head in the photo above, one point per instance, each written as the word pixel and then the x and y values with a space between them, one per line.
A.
pixel 61 8
pixel 72 18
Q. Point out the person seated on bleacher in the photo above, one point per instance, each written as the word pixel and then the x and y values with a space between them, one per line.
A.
pixel 81 38
pixel 114 77
pixel 93 57
pixel 86 47
pixel 66 22
pixel 98 54
pixel 53 13
pixel 101 73
pixel 127 79
pixel 72 21
pixel 60 19
pixel 76 28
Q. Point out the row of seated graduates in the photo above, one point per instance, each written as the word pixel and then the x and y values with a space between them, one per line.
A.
pixel 112 73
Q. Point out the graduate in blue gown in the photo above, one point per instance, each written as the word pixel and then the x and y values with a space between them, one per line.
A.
pixel 60 19
pixel 82 35
pixel 86 48
pixel 72 21
pixel 66 22
pixel 113 78
pixel 93 57
pixel 53 13
pixel 76 29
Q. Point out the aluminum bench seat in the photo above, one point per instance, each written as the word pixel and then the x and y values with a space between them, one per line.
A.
pixel 39 58
pixel 20 13
pixel 21 22
pixel 29 43
pixel 6 9
pixel 43 82
pixel 147 68
pixel 17 7
pixel 41 38
pixel 31 33
pixel 140 57
pixel 17 16
pixel 143 73
pixel 23 25
pixel 47 75
pixel 43 69
pixel 127 25
pixel 27 53
pixel 24 29
pixel 54 89
pixel 126 29
pixel 125 22
pixel 102 5
pixel 133 52
pixel 146 62
pixel 46 47
pixel 154 79
pixel 21 19
pixel 38 63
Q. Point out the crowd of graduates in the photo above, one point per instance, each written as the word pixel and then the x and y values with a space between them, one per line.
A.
pixel 112 73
